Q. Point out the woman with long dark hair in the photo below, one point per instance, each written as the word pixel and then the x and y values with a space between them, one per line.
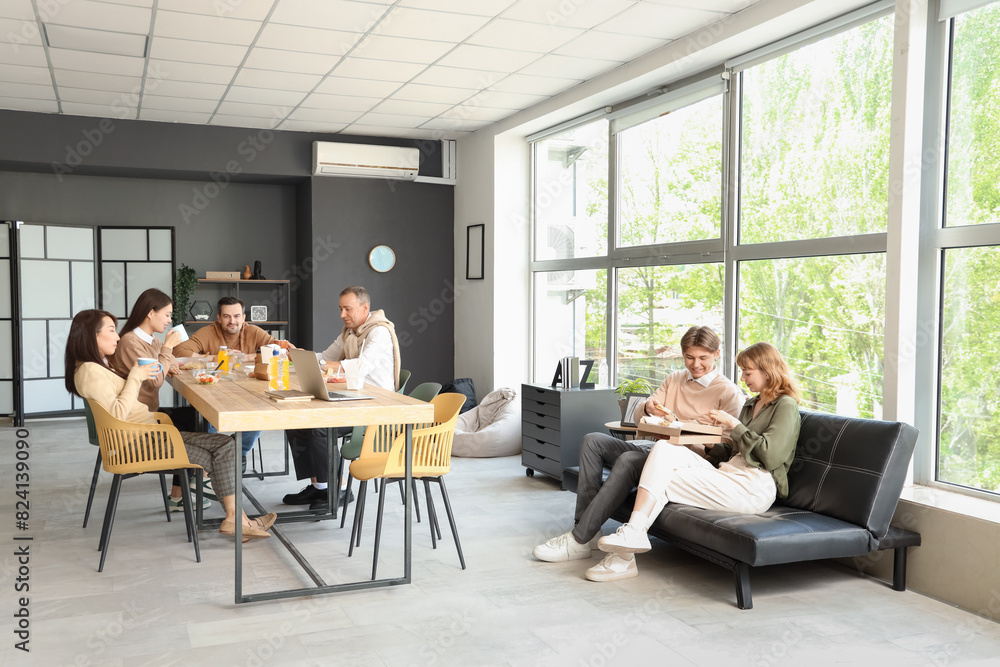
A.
pixel 91 342
pixel 745 476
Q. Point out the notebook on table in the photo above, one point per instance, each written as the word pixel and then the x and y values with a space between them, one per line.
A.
pixel 311 380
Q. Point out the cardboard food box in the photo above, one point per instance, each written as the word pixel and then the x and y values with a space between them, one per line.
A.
pixel 687 433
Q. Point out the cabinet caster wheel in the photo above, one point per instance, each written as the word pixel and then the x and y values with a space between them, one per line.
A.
pixel 529 472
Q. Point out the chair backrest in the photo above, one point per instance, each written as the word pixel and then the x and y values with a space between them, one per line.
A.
pixel 431 445
pixel 426 391
pixel 134 448
pixel 404 377
pixel 91 426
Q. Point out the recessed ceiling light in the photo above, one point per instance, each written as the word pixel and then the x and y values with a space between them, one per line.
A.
pixel 96 41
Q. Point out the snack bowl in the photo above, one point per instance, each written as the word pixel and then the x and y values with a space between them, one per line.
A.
pixel 195 363
pixel 206 375
pixel 337 377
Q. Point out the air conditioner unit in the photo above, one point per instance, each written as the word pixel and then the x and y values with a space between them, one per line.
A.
pixel 365 161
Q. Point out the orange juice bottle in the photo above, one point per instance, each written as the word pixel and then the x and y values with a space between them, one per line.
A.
pixel 223 358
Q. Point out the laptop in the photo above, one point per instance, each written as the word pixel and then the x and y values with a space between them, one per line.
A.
pixel 311 379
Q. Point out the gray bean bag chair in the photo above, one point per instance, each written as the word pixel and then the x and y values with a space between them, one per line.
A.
pixel 492 428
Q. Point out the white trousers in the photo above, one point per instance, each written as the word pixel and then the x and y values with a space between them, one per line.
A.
pixel 675 474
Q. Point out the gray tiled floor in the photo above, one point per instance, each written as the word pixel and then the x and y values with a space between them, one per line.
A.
pixel 154 605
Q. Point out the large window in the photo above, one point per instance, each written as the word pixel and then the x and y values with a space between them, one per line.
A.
pixel 656 305
pixel 968 451
pixel 569 319
pixel 815 139
pixel 670 180
pixel 570 193
pixel 826 315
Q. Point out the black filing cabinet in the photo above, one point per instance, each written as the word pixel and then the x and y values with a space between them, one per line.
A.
pixel 554 420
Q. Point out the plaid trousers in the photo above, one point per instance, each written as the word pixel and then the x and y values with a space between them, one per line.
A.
pixel 216 453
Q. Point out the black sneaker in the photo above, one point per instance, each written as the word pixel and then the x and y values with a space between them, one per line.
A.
pixel 304 497
pixel 244 464
pixel 343 497
pixel 321 503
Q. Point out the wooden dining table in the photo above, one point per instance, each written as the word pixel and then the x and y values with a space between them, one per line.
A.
pixel 237 403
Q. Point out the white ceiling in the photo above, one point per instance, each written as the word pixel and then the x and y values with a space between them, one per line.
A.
pixel 390 68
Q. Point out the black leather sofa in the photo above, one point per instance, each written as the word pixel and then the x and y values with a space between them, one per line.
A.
pixel 843 487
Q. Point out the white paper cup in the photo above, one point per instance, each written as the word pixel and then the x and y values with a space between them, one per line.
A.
pixel 145 361
pixel 354 373
pixel 182 331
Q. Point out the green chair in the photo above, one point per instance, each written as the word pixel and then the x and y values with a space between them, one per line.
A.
pixel 92 436
pixel 351 449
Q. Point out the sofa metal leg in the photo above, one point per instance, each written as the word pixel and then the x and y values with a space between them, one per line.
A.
pixel 743 598
pixel 899 569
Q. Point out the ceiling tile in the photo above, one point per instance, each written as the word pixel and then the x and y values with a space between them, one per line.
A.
pixel 332 14
pixel 311 126
pixel 487 58
pixel 458 77
pixel 96 62
pixel 109 98
pixel 479 7
pixel 100 16
pixel 562 13
pixel 31 91
pixel 380 70
pixel 198 72
pixel 21 10
pixel 343 102
pixel 477 113
pixel 410 108
pixel 420 24
pixel 23 74
pixel 203 91
pixel 659 21
pixel 99 110
pixel 133 3
pixel 96 41
pixel 503 100
pixel 343 116
pixel 535 37
pixel 421 93
pixel 243 121
pixel 338 85
pixel 398 49
pixel 122 84
pixel 264 96
pixel 249 110
pixel 19 32
pixel 454 124
pixel 262 78
pixel 38 106
pixel 310 40
pixel 205 28
pixel 533 85
pixel 174 116
pixel 578 68
pixel 164 103
pixel 625 47
pixel 391 120
pixel 190 51
pixel 235 9
pixel 290 61
pixel 20 54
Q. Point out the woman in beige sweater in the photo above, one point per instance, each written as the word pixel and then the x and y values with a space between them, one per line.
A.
pixel 91 342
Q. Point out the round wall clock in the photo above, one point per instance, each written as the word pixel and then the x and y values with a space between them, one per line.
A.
pixel 382 258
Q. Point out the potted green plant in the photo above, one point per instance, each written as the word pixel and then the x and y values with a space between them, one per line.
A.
pixel 634 386
pixel 185 282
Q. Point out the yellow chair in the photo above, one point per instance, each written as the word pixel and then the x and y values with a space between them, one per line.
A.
pixel 383 457
pixel 129 449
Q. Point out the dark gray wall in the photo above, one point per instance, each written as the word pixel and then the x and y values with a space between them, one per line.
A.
pixel 236 195
pixel 416 221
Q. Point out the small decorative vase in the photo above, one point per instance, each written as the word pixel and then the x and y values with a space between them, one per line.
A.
pixel 246 272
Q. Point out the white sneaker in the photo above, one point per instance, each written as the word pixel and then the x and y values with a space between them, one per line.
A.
pixel 613 568
pixel 626 540
pixel 563 548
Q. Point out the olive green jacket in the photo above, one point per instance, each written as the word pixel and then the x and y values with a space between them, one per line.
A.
pixel 766 441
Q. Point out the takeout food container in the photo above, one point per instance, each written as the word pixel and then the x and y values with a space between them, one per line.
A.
pixel 195 363
pixel 206 375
